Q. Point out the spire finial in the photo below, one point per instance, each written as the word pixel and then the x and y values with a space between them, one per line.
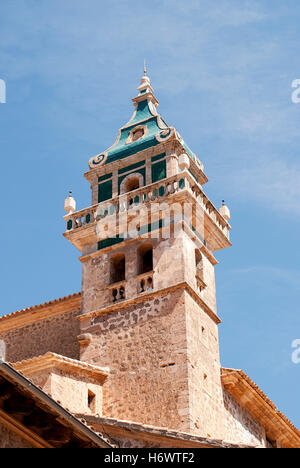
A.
pixel 145 80
pixel 145 90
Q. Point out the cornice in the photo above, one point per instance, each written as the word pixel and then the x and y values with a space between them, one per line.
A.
pixel 26 316
pixel 53 360
pixel 151 294
pixel 154 434
pixel 133 158
pixel 277 426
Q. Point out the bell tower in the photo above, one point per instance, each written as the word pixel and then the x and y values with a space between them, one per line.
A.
pixel 147 246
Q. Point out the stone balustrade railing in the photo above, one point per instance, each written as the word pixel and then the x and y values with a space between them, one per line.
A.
pixel 150 193
pixel 118 291
pixel 145 282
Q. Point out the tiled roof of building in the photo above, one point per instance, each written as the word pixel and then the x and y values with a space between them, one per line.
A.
pixel 40 306
pixel 168 437
pixel 65 429
pixel 152 126
pixel 28 365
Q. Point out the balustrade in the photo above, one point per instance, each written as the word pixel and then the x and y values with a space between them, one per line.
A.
pixel 117 291
pixel 150 193
pixel 145 282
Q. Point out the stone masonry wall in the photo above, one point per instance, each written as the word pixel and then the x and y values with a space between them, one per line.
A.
pixel 42 379
pixel 72 392
pixel 144 345
pixel 204 372
pixel 57 334
pixel 239 425
pixel 69 390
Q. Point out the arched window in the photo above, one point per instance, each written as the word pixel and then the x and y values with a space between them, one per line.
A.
pixel 117 268
pixel 131 182
pixel 145 258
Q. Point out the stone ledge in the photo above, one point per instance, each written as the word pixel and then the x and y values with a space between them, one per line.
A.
pixel 148 295
pixel 164 436
pixel 52 360
pixel 24 317
pixel 277 426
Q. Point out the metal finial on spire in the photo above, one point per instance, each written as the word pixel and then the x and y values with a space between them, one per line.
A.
pixel 145 85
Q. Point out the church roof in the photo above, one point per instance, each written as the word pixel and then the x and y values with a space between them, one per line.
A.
pixel 153 130
pixel 37 312
pixel 261 408
pixel 160 436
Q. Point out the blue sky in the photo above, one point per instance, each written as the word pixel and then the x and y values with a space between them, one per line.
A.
pixel 222 71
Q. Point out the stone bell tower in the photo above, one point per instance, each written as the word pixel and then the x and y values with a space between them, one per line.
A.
pixel 147 246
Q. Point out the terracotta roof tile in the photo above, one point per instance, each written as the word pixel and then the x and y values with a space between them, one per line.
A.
pixel 40 306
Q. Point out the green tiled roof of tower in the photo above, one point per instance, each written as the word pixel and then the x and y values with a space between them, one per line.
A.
pixel 145 129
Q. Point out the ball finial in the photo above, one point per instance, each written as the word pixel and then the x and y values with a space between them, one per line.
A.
pixel 70 204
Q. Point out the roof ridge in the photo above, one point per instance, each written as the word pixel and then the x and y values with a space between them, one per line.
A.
pixel 262 394
pixel 40 306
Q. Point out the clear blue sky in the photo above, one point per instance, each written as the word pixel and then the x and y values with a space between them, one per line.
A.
pixel 222 71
